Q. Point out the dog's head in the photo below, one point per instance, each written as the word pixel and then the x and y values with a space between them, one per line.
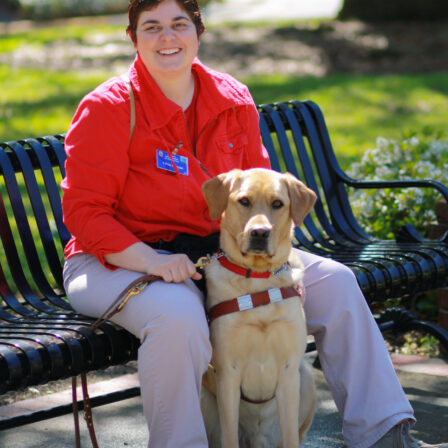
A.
pixel 258 208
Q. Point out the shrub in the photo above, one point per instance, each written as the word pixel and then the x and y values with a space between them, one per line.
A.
pixel 398 10
pixel 383 212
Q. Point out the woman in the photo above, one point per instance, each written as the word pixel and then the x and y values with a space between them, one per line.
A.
pixel 125 203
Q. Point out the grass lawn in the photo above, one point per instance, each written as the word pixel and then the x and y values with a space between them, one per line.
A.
pixel 37 102
pixel 358 108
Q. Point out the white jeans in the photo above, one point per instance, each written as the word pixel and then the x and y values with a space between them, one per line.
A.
pixel 175 350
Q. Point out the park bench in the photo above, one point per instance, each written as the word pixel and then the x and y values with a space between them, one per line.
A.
pixel 43 339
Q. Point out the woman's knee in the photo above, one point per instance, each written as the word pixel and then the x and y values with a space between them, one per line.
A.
pixel 331 275
pixel 179 325
pixel 332 291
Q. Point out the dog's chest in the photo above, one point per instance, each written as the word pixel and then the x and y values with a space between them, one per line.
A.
pixel 258 337
pixel 223 284
pixel 260 344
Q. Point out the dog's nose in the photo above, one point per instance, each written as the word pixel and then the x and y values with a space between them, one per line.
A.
pixel 259 239
pixel 261 233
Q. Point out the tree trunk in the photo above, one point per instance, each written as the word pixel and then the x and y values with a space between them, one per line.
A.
pixel 376 10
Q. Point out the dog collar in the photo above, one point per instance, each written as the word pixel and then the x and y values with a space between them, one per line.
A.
pixel 248 273
pixel 250 301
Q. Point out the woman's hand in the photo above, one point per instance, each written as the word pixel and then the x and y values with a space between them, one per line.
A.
pixel 173 268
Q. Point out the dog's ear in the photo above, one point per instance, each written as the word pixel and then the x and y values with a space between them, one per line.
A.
pixel 302 198
pixel 216 192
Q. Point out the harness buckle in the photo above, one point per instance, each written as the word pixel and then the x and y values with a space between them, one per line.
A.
pixel 245 302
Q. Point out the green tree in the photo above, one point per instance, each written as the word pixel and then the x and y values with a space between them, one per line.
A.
pixel 376 10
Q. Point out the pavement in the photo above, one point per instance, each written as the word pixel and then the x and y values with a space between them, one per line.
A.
pixel 121 424
pixel 269 10
pixel 224 11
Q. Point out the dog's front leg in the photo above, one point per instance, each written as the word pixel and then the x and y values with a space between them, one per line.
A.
pixel 228 395
pixel 288 396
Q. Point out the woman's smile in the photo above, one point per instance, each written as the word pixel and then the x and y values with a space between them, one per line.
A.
pixel 169 51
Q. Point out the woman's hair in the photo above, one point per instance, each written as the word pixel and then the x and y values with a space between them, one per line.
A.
pixel 136 7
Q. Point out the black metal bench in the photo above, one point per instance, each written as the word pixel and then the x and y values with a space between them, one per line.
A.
pixel 42 339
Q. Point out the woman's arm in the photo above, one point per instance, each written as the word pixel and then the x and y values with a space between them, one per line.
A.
pixel 96 170
pixel 142 258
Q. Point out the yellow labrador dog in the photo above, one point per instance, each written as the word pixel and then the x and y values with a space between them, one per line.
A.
pixel 258 391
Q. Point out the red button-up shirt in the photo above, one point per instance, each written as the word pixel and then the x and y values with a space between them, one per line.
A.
pixel 114 193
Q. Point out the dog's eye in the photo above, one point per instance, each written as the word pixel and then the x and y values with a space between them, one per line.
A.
pixel 277 204
pixel 244 202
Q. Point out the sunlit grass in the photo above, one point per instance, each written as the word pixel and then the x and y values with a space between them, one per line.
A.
pixel 39 102
pixel 43 36
pixel 358 108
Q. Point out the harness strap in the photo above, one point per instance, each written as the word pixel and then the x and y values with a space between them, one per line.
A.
pixel 250 301
pixel 248 400
pixel 127 81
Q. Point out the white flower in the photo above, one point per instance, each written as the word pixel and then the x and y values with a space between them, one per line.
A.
pixel 414 141
pixel 382 143
pixel 413 158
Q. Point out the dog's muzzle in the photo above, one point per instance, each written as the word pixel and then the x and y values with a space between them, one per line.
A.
pixel 259 239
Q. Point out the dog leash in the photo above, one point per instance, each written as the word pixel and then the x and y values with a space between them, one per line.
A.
pixel 134 288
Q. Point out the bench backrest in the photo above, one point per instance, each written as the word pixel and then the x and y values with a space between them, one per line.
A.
pixel 32 232
pixel 296 137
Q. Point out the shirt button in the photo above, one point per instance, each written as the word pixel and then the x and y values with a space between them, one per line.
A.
pixel 230 145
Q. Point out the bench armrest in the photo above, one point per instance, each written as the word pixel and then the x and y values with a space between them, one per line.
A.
pixel 407 232
pixel 417 183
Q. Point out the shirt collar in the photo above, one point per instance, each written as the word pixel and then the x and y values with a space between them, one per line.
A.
pixel 219 92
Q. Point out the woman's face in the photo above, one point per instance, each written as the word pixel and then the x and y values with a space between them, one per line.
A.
pixel 167 41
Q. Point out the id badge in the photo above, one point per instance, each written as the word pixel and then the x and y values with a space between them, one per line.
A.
pixel 181 163
pixel 164 162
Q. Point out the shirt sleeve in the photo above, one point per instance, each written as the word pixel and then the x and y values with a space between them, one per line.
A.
pixel 96 170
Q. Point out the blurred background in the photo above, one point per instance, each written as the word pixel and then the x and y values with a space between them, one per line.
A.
pixel 377 69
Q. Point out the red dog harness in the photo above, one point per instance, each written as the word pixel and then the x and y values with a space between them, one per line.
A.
pixel 250 301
